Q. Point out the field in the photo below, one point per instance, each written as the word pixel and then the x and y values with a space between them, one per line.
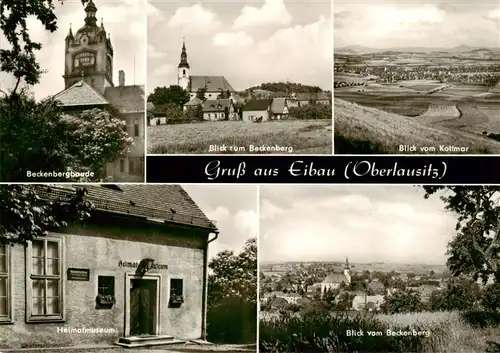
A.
pixel 293 136
pixel 360 129
pixel 438 113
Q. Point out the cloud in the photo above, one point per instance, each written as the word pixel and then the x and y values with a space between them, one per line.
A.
pixel 494 15
pixel 164 69
pixel 221 213
pixel 238 39
pixel 247 222
pixel 194 19
pixel 272 12
pixel 268 210
pixel 154 53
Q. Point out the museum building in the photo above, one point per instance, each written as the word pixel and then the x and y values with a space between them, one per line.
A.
pixel 134 273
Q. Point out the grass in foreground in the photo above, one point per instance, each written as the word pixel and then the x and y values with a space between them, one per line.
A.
pixel 360 129
pixel 449 332
pixel 303 136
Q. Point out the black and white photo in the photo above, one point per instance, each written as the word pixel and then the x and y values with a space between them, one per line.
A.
pixel 239 77
pixel 73 98
pixel 379 268
pixel 417 77
pixel 114 268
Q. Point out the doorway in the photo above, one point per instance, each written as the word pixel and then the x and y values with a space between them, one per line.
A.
pixel 143 305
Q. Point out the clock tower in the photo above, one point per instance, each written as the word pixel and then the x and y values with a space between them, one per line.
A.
pixel 89 54
pixel 183 69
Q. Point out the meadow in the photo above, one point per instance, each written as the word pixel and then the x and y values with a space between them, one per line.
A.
pixel 447 332
pixel 297 136
pixel 361 129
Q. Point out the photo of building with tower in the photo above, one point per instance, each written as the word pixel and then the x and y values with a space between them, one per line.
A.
pixel 212 71
pixel 89 82
pixel 98 49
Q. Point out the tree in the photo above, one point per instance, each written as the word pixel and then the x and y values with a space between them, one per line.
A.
pixel 491 297
pixel 474 251
pixel 169 95
pixel 234 275
pixel 460 294
pixel 98 138
pixel 402 302
pixel 26 215
pixel 194 113
pixel 224 94
pixel 200 94
pixel 173 112
pixel 39 137
pixel 232 296
pixel 19 60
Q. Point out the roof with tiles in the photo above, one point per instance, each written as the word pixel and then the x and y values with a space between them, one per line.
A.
pixel 258 104
pixel 212 83
pixel 335 278
pixel 126 99
pixel 166 203
pixel 216 105
pixel 278 105
pixel 80 94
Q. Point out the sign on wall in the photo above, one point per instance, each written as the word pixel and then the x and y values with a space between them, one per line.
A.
pixel 136 264
pixel 78 274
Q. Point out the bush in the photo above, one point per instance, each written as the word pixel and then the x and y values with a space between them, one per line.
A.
pixel 232 321
pixel 482 319
pixel 323 332
pixel 311 112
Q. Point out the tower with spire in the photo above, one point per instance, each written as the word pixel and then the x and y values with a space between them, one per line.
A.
pixel 347 270
pixel 183 68
pixel 89 53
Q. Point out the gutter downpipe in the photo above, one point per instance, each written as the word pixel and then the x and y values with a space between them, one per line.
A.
pixel 204 305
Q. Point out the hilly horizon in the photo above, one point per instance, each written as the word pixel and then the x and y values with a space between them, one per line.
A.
pixel 360 49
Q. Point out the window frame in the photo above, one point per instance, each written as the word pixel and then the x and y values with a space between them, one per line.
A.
pixel 9 318
pixel 30 318
pixel 176 278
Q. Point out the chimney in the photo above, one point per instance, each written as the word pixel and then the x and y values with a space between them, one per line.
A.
pixel 121 78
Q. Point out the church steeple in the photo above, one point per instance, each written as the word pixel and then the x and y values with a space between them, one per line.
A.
pixel 90 10
pixel 347 267
pixel 347 271
pixel 184 56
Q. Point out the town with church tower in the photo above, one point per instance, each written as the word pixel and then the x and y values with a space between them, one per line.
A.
pixel 196 102
pixel 89 83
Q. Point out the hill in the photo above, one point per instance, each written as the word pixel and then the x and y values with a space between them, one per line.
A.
pixel 360 129
pixel 286 87
pixel 357 49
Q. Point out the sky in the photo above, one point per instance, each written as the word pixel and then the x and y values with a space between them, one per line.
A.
pixel 248 42
pixel 125 20
pixel 392 224
pixel 234 210
pixel 426 23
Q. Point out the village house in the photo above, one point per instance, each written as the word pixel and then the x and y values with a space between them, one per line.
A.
pixel 88 81
pixel 192 103
pixel 257 110
pixel 303 99
pixel 362 302
pixel 135 272
pixel 377 287
pixel 218 109
pixel 279 109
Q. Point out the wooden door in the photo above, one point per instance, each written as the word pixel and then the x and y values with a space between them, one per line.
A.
pixel 142 306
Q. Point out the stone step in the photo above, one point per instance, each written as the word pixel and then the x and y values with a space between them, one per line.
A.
pixel 144 341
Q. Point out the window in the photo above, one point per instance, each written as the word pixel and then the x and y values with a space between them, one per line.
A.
pixel 131 166
pixel 122 166
pixel 5 285
pixel 106 285
pixel 136 127
pixel 184 72
pixel 176 292
pixel 44 280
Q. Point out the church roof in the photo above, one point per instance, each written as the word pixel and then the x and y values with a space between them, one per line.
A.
pixel 214 83
pixel 335 278
pixel 278 105
pixel 80 94
pixel 127 99
pixel 216 105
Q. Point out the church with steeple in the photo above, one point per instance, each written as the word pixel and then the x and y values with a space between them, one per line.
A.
pixel 334 280
pixel 192 83
pixel 89 83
